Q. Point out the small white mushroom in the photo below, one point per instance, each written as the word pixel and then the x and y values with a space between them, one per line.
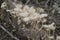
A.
pixel 4 5
pixel 26 19
pixel 43 15
pixel 25 14
pixel 51 26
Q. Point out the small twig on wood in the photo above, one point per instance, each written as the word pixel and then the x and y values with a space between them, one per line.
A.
pixel 47 3
pixel 11 23
pixel 27 1
pixel 8 32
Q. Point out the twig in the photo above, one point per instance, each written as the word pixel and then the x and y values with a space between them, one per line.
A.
pixel 27 1
pixel 11 23
pixel 47 3
pixel 8 32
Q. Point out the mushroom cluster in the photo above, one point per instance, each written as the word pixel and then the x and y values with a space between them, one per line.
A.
pixel 30 21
